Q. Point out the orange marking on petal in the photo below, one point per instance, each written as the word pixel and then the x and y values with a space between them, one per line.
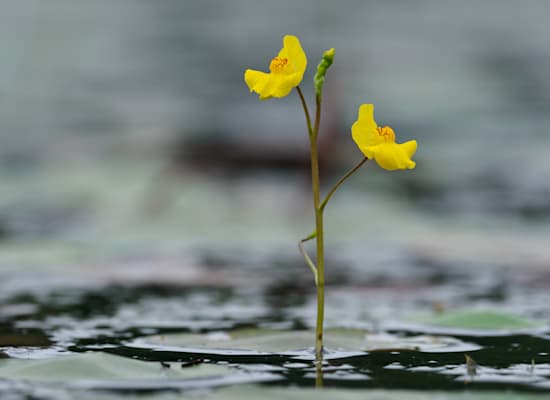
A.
pixel 279 65
pixel 387 133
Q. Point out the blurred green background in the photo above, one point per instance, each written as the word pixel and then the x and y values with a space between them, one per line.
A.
pixel 129 141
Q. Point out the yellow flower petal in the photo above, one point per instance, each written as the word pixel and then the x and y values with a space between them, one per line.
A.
pixel 286 71
pixel 292 50
pixel 393 156
pixel 281 86
pixel 268 85
pixel 379 143
pixel 256 80
pixel 409 147
pixel 364 130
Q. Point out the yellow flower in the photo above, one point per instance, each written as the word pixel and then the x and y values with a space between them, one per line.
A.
pixel 379 143
pixel 286 71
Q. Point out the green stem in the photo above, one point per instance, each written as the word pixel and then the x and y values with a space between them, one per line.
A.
pixel 317 117
pixel 340 181
pixel 306 111
pixel 301 247
pixel 303 251
pixel 315 181
pixel 319 270
pixel 306 256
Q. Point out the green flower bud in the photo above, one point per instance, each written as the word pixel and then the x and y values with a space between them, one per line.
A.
pixel 324 65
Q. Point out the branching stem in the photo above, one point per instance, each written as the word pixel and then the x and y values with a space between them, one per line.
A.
pixel 340 181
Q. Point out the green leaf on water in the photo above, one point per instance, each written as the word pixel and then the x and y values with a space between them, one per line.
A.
pixel 484 320
pixel 98 366
pixel 254 392
pixel 258 392
pixel 273 341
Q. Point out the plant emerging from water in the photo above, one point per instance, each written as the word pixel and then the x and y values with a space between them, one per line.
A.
pixel 286 72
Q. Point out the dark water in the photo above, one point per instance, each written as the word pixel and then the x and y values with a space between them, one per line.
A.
pixel 120 319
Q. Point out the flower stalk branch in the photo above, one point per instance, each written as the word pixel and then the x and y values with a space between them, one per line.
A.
pixel 325 201
pixel 306 256
pixel 306 111
pixel 340 181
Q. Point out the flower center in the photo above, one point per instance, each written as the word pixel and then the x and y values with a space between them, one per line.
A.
pixel 386 133
pixel 279 65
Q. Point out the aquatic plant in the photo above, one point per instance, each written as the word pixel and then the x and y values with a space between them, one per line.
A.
pixel 376 143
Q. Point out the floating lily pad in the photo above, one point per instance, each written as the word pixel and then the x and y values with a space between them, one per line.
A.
pixel 247 392
pixel 256 392
pixel 480 320
pixel 338 343
pixel 99 367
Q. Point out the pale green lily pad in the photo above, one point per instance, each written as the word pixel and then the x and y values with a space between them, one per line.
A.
pixel 253 393
pixel 99 367
pixel 246 392
pixel 482 320
pixel 289 342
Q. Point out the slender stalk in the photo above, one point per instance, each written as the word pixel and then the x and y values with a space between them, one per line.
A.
pixel 315 181
pixel 306 256
pixel 340 181
pixel 319 269
pixel 320 259
pixel 301 247
pixel 325 201
pixel 306 111
pixel 317 117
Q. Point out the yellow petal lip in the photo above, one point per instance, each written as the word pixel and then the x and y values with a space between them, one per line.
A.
pixel 292 49
pixel 364 130
pixel 256 80
pixel 393 156
pixel 286 71
pixel 379 143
